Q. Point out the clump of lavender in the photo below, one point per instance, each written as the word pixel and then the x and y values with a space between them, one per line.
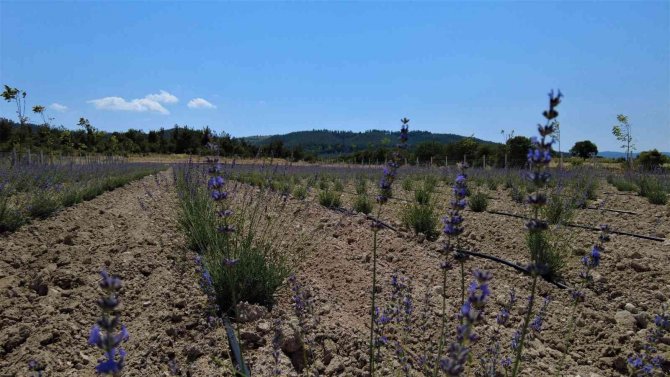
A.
pixel 36 368
pixel 453 228
pixel 398 316
pixel 471 314
pixel 648 361
pixel 276 347
pixel 490 361
pixel 104 333
pixel 385 192
pixel 303 308
pixel 539 157
pixel 588 264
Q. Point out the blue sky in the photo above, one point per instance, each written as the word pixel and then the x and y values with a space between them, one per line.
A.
pixel 267 68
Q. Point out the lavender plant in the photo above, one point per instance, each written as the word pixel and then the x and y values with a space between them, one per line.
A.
pixel 36 368
pixel 105 334
pixel 538 157
pixel 471 314
pixel 586 279
pixel 453 228
pixel 650 360
pixel 304 311
pixel 385 192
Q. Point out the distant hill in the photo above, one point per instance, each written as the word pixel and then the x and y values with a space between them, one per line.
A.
pixel 326 142
pixel 612 154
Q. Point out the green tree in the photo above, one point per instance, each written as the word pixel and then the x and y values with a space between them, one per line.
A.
pixel 518 147
pixel 652 159
pixel 38 109
pixel 584 149
pixel 19 96
pixel 622 132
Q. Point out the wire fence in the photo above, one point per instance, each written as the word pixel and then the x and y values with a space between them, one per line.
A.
pixel 22 158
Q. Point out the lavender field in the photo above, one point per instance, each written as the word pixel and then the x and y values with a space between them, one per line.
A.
pixel 335 188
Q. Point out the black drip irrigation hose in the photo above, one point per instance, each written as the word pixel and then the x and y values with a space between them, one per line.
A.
pixel 613 210
pixel 468 252
pixel 652 238
pixel 510 264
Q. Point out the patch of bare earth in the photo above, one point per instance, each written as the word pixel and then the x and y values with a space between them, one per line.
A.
pixel 49 287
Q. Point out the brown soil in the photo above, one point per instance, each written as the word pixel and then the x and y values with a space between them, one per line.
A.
pixel 164 308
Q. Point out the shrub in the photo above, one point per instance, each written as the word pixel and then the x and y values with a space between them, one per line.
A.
pixel 422 196
pixel 254 279
pixel 559 209
pixel 300 192
pixel 43 206
pixel 478 202
pixel 10 218
pixel 657 197
pixel 429 183
pixel 549 253
pixel 407 184
pixel 330 199
pixel 492 184
pixel 361 186
pixel 71 197
pixel 621 184
pixel 647 185
pixel 363 204
pixel 257 244
pixel 422 219
pixel 517 194
pixel 338 186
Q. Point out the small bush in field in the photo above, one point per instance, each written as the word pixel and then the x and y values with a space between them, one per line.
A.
pixel 422 196
pixel 10 218
pixel 429 183
pixel 492 184
pixel 300 192
pixel 559 209
pixel 43 205
pixel 338 186
pixel 621 183
pixel 363 204
pixel 330 199
pixel 407 184
pixel 361 186
pixel 518 194
pixel 648 185
pixel 657 197
pixel 422 219
pixel 478 202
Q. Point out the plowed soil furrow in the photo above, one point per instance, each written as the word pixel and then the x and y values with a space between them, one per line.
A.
pixel 49 286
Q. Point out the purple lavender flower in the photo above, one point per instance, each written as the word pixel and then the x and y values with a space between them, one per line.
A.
pixel 103 334
pixel 36 367
pixel 391 168
pixel 471 314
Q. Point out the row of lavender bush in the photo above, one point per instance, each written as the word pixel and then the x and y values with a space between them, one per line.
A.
pixel 37 191
pixel 237 262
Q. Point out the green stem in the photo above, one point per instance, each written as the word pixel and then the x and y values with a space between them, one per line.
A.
pixel 372 309
pixel 568 339
pixel 374 292
pixel 462 282
pixel 524 330
pixel 444 318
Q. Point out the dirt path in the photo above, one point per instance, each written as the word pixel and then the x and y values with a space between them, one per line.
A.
pixel 48 284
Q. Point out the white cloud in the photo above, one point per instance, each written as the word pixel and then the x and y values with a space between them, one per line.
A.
pixel 58 107
pixel 200 103
pixel 151 102
pixel 163 97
